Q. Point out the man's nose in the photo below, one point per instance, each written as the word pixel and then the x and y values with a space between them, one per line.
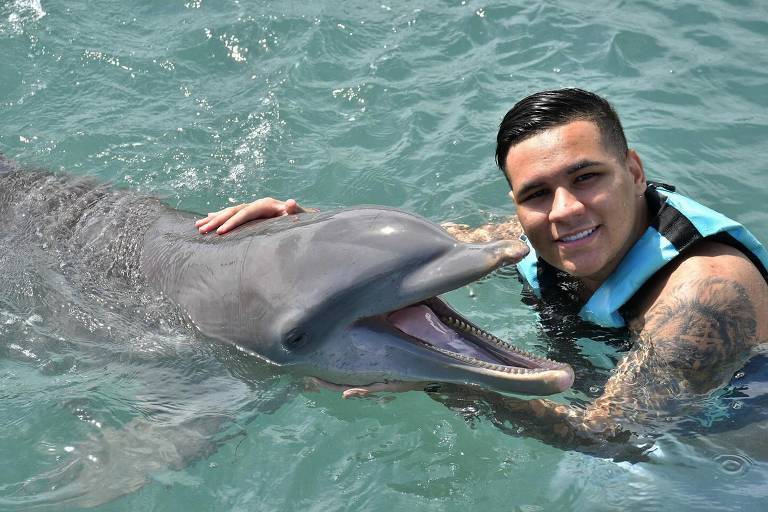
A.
pixel 565 204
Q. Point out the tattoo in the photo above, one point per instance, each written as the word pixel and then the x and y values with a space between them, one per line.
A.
pixel 715 326
pixel 509 230
pixel 690 343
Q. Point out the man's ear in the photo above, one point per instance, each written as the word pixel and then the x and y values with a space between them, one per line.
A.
pixel 635 167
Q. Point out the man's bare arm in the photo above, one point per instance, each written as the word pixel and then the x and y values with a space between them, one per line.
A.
pixel 691 343
pixel 691 334
pixel 510 229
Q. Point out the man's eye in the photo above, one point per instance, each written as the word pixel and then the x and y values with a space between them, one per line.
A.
pixel 535 195
pixel 585 176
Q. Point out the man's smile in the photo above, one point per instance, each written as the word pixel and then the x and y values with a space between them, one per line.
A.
pixel 578 236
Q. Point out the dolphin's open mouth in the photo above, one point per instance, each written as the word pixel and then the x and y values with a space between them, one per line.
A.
pixel 435 325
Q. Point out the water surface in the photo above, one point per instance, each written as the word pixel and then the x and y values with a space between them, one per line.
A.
pixel 207 103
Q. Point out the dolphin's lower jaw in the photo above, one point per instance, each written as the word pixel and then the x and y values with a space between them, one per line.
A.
pixel 430 343
pixel 480 353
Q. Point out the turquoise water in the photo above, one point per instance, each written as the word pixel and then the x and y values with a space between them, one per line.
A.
pixel 206 103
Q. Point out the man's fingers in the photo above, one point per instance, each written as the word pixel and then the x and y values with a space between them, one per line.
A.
pixel 208 218
pixel 355 393
pixel 385 387
pixel 292 207
pixel 265 208
pixel 241 217
pixel 204 220
pixel 363 391
pixel 216 219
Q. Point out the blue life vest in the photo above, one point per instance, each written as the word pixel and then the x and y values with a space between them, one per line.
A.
pixel 677 223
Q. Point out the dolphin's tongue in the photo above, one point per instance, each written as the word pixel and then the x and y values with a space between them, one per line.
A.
pixel 422 323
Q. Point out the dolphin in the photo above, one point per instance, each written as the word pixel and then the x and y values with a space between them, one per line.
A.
pixel 348 296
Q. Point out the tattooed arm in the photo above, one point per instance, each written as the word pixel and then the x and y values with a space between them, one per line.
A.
pixel 510 229
pixel 693 327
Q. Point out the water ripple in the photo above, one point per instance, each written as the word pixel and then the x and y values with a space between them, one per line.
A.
pixel 733 465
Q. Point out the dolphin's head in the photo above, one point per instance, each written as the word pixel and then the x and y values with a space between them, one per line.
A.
pixel 358 303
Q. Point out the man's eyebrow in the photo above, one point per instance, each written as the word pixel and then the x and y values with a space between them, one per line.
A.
pixel 568 170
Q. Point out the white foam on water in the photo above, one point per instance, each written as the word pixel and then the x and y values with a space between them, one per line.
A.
pixel 35 5
pixel 22 12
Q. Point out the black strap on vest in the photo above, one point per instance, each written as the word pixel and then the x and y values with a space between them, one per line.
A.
pixel 682 234
pixel 668 220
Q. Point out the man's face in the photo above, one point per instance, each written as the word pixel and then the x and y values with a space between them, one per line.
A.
pixel 580 206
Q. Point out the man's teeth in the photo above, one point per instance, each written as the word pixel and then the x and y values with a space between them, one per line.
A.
pixel 578 236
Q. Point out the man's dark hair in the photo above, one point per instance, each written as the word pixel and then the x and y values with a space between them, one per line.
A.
pixel 548 109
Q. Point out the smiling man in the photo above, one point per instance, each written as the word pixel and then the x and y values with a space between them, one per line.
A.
pixel 689 283
pixel 593 221
pixel 580 203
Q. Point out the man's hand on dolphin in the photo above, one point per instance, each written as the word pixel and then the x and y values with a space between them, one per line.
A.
pixel 366 391
pixel 227 219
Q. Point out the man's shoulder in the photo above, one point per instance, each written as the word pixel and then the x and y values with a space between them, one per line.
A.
pixel 713 259
pixel 710 276
pixel 704 316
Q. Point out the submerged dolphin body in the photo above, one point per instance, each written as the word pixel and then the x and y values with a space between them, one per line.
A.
pixel 347 296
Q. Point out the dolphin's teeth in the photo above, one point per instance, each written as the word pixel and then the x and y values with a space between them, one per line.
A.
pixel 460 325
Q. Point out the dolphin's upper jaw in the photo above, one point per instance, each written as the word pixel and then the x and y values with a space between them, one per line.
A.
pixel 436 326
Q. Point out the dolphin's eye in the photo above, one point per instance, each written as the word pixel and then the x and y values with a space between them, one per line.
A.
pixel 295 340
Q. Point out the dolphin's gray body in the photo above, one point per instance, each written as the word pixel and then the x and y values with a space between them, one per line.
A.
pixel 330 295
